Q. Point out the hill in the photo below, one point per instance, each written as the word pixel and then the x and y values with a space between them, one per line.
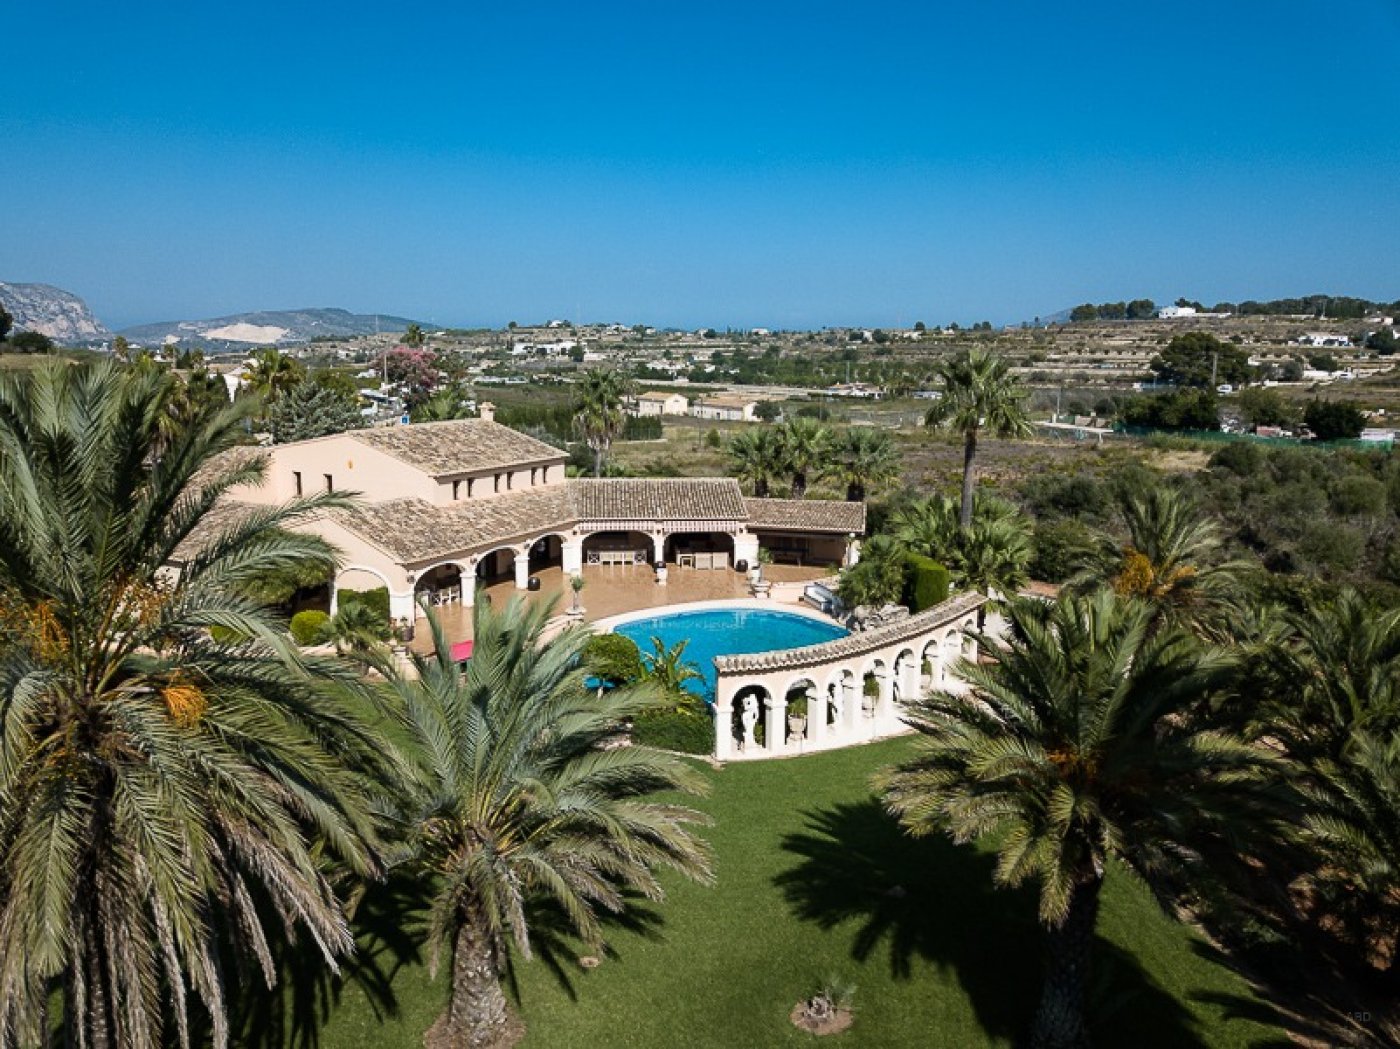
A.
pixel 263 328
pixel 59 314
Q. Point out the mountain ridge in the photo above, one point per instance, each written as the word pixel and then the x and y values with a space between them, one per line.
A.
pixel 264 328
pixel 62 316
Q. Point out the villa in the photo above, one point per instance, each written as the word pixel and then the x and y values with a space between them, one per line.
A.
pixel 448 507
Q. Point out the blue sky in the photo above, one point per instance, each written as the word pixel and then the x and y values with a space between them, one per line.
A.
pixel 776 164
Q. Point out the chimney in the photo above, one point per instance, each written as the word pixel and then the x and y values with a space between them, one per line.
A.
pixel 487 411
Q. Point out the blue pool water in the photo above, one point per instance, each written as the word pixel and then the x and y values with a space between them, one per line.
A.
pixel 727 632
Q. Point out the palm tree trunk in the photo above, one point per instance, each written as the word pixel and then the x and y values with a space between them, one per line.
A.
pixel 1060 1021
pixel 597 460
pixel 799 485
pixel 969 479
pixel 760 487
pixel 477 1014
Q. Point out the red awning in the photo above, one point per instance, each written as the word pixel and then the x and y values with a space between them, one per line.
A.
pixel 462 651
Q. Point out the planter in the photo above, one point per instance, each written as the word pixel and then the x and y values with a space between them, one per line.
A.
pixel 661 573
pixel 797 725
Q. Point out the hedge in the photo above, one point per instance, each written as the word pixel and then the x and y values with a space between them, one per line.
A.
pixel 376 600
pixel 925 582
pixel 669 730
pixel 613 658
pixel 309 626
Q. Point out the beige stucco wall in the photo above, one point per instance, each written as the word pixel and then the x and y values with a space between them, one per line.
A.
pixel 481 484
pixel 352 466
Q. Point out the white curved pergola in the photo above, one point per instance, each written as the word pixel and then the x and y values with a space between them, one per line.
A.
pixel 900 660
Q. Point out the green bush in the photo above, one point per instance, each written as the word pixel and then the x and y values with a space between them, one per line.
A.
pixel 1060 546
pixel 308 626
pixel 376 600
pixel 613 658
pixel 689 733
pixel 925 582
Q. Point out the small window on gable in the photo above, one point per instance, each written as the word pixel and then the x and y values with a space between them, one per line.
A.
pixel 456 490
pixel 534 472
pixel 471 481
pixel 496 487
pixel 296 480
pixel 330 485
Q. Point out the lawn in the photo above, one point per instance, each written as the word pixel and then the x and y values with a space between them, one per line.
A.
pixel 813 881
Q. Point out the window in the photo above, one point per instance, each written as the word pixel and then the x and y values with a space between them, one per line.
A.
pixel 471 482
pixel 496 486
pixel 330 485
pixel 456 490
pixel 534 470
pixel 510 481
pixel 296 479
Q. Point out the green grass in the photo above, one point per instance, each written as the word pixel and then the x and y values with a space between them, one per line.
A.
pixel 813 881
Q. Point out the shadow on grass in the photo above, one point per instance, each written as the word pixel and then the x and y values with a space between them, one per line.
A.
pixel 926 900
pixel 388 927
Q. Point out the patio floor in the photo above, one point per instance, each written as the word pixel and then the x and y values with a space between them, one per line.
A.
pixel 613 590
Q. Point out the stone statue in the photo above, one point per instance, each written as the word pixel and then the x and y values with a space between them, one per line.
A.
pixel 749 718
pixel 838 699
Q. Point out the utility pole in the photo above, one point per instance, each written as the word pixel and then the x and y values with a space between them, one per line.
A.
pixel 1214 361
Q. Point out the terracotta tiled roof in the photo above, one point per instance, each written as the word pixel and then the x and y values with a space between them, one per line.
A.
pixel 807 515
pixel 458 446
pixel 221 516
pixel 673 498
pixel 415 530
pixel 727 400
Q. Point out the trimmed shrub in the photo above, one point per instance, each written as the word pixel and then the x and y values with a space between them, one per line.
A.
pixel 689 733
pixel 613 658
pixel 925 582
pixel 376 600
pixel 308 626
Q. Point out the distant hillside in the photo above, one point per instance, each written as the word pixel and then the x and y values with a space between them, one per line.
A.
pixel 59 314
pixel 263 328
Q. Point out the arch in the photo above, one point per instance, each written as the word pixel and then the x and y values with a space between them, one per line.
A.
pixel 906 675
pixel 930 673
pixel 440 584
pixel 612 547
pixel 345 569
pixel 741 726
pixel 493 566
pixel 700 549
pixel 805 690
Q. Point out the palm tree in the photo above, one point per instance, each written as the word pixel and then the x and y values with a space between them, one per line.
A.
pixel 163 795
pixel 1074 749
pixel 274 372
pixel 1172 559
pixel 994 556
pixel 979 393
pixel 357 628
pixel 877 579
pixel 756 457
pixel 599 411
pixel 668 669
pixel 413 336
pixel 928 526
pixel 865 459
pixel 806 451
pixel 511 798
pixel 449 402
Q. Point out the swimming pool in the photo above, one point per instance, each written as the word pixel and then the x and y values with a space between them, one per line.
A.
pixel 726 632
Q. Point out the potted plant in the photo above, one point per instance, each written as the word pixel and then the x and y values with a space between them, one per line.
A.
pixel 576 584
pixel 765 557
pixel 797 716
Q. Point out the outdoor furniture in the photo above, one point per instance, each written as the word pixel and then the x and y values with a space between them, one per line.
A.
pixel 685 560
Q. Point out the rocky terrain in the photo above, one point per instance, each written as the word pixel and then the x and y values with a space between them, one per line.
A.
pixel 59 314
pixel 263 328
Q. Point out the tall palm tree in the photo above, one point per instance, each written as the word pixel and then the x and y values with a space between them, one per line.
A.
pixel 928 526
pixel 979 393
pixel 806 451
pixel 413 336
pixel 865 459
pixel 1173 558
pixel 599 411
pixel 994 555
pixel 1074 750
pixel 162 794
pixel 877 578
pixel 511 798
pixel 756 457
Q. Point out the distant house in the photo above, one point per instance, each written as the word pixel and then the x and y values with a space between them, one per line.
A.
pixel 657 403
pixel 726 408
pixel 1323 339
pixel 855 389
pixel 1375 435
pixel 1167 313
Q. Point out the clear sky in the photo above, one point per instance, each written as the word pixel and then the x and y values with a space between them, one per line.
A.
pixel 748 163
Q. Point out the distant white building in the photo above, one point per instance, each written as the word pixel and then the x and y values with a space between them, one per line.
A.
pixel 1167 313
pixel 856 389
pixel 1321 339
pixel 656 403
pixel 544 349
pixel 726 408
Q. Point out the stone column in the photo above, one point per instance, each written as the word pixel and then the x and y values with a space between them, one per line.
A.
pixel 335 597
pixel 746 548
pixel 775 731
pixel 658 547
pixel 852 551
pixel 466 583
pixel 522 569
pixel 816 716
pixel 884 702
pixel 401 606
pixel 724 725
pixel 850 707
pixel 571 553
